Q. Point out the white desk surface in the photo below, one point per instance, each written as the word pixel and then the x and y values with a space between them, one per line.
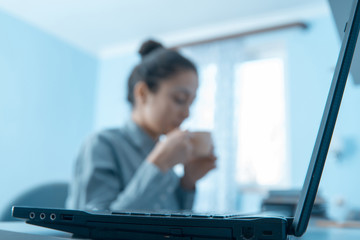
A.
pixel 20 230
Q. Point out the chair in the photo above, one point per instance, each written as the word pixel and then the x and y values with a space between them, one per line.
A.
pixel 46 195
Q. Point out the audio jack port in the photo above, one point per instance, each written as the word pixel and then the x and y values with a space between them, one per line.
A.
pixel 52 216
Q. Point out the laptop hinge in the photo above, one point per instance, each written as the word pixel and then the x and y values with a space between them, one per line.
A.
pixel 289 225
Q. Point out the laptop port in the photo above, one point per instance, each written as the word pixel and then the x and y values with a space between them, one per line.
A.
pixel 248 232
pixel 32 215
pixel 52 216
pixel 42 216
pixel 67 217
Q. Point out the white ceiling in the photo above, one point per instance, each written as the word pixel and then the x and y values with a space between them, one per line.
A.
pixel 110 27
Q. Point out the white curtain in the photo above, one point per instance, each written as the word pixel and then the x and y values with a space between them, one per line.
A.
pixel 216 63
pixel 217 109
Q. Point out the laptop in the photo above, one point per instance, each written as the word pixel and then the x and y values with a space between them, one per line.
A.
pixel 340 10
pixel 162 225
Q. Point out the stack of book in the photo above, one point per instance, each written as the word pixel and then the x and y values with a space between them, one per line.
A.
pixel 285 201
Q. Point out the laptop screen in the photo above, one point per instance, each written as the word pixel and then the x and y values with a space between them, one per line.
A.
pixel 340 10
pixel 321 147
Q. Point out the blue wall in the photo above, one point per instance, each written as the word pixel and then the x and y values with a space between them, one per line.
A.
pixel 112 108
pixel 47 96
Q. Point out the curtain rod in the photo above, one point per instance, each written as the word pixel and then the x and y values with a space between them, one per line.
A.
pixel 243 34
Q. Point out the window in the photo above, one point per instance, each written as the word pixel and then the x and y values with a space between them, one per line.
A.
pixel 261 117
pixel 241 99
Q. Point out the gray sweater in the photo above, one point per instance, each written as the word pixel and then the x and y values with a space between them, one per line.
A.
pixel 111 173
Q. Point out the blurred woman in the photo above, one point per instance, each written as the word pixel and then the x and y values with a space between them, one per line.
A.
pixel 128 168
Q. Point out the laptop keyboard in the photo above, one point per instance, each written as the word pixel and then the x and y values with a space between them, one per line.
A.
pixel 179 215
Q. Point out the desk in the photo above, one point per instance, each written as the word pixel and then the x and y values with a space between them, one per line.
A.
pixel 22 231
pixel 317 233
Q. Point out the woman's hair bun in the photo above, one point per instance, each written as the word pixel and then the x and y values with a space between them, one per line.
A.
pixel 148 47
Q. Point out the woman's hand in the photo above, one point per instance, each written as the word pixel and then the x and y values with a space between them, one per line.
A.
pixel 195 169
pixel 176 148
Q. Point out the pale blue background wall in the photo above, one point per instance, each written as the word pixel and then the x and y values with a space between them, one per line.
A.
pixel 112 107
pixel 47 97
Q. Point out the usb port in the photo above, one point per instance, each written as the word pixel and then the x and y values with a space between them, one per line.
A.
pixel 67 217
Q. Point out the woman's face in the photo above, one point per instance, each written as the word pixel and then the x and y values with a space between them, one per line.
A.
pixel 166 108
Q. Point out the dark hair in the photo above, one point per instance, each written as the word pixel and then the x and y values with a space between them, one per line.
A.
pixel 157 63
